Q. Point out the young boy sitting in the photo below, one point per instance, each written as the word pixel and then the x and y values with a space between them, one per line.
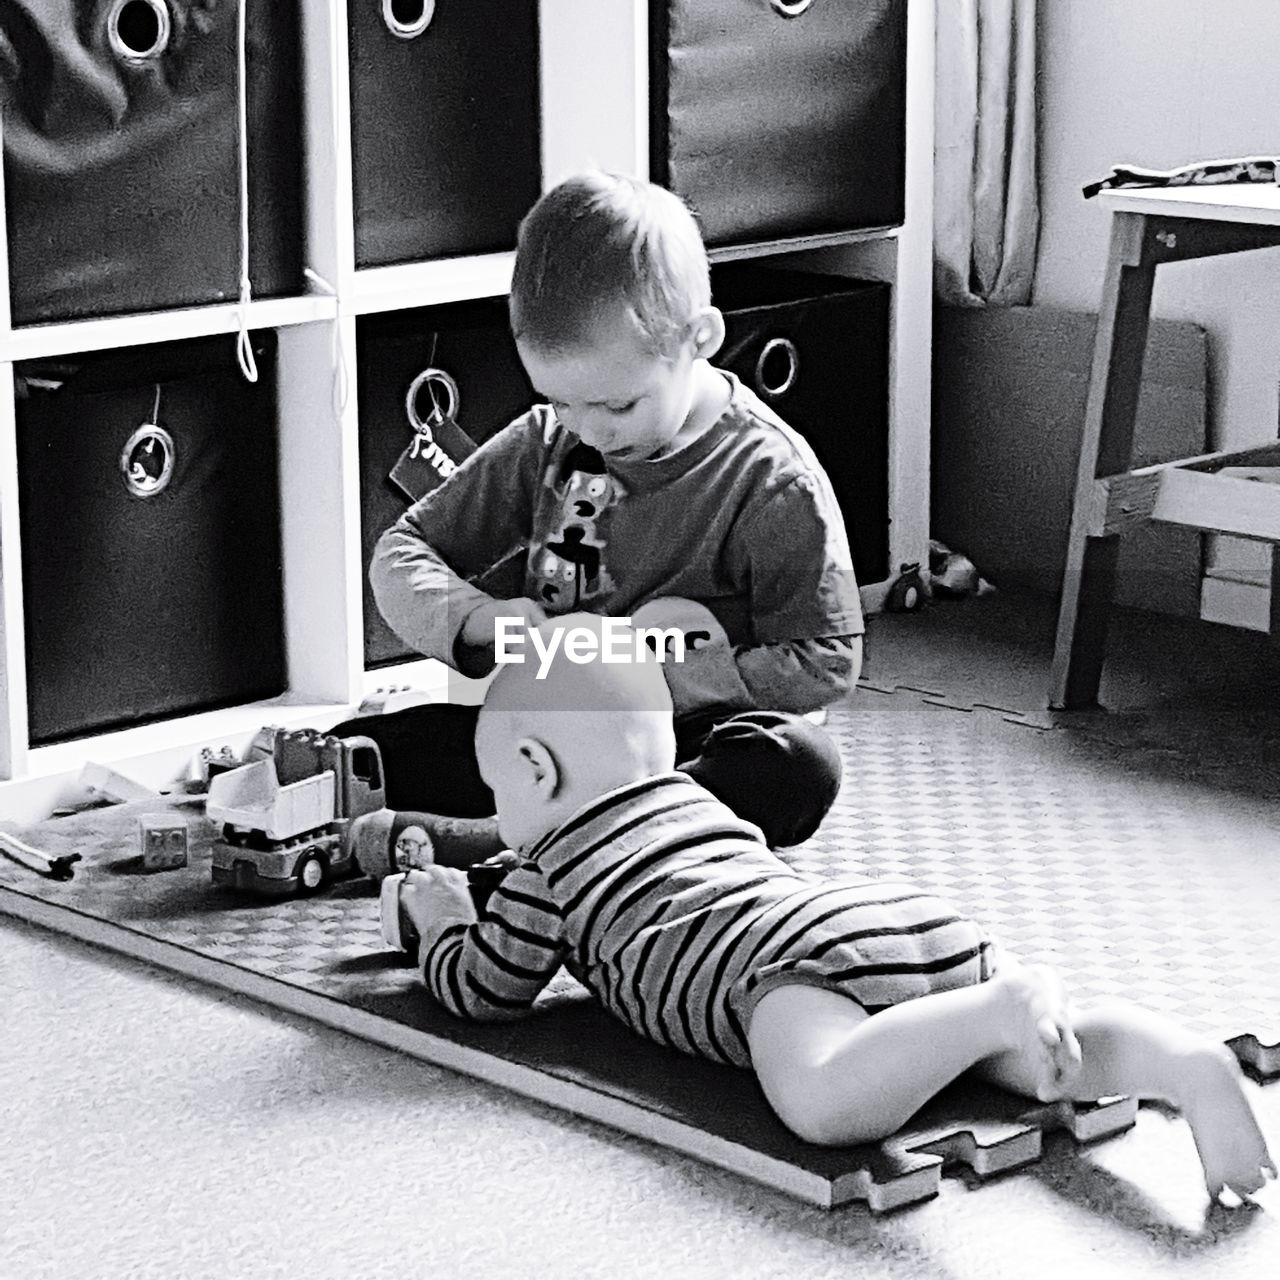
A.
pixel 647 477
pixel 853 1001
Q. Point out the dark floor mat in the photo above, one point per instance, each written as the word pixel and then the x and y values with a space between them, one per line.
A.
pixel 322 957
pixel 1147 873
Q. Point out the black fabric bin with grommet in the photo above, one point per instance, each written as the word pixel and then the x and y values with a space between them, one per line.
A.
pixel 149 515
pixel 445 139
pixel 469 348
pixel 780 118
pixel 122 153
pixel 815 348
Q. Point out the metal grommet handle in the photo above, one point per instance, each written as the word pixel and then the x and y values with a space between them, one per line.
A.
pixel 776 346
pixel 138 30
pixel 431 378
pixel 408 18
pixel 146 461
pixel 790 8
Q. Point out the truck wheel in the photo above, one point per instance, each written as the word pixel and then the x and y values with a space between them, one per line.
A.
pixel 907 593
pixel 310 872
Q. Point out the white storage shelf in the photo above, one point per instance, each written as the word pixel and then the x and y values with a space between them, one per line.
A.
pixel 594 61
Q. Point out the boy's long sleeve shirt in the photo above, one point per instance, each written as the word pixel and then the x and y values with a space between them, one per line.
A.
pixel 742 520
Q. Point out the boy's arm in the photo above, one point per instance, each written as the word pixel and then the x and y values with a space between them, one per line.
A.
pixel 806 612
pixel 424 567
pixel 800 675
pixel 492 969
pixel 795 675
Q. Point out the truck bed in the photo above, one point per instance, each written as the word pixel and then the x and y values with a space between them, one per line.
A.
pixel 252 797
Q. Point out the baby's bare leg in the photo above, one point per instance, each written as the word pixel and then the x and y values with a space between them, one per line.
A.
pixel 1125 1049
pixel 835 1075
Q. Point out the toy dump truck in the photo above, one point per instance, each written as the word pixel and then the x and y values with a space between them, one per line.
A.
pixel 284 819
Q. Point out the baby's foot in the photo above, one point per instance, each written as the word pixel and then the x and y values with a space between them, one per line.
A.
pixel 1034 1006
pixel 1230 1144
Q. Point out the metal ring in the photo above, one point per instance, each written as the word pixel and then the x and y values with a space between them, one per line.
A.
pixel 788 348
pixel 790 8
pixel 407 29
pixel 431 377
pixel 141 482
pixel 121 47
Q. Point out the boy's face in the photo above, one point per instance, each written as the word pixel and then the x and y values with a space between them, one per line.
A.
pixel 615 394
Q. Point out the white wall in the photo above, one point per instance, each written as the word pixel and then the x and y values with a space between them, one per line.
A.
pixel 1164 83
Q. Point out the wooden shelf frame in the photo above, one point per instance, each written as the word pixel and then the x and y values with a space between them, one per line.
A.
pixel 594 87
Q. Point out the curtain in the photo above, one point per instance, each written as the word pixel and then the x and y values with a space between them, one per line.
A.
pixel 986 209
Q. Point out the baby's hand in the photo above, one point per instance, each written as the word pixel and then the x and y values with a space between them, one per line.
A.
pixel 433 897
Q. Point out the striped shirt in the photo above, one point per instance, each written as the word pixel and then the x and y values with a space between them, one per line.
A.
pixel 675 914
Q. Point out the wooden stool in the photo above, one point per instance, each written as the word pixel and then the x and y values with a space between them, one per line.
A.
pixel 1150 227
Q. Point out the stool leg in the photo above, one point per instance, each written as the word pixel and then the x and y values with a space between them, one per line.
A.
pixel 1106 448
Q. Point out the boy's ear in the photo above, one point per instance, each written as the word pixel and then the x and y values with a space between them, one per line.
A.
pixel 707 327
pixel 541 769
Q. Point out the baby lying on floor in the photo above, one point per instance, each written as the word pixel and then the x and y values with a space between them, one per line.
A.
pixel 854 1001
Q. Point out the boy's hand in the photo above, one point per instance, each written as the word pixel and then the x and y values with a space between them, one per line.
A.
pixel 435 897
pixel 478 630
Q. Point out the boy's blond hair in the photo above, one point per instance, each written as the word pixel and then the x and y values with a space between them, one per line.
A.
pixel 599 242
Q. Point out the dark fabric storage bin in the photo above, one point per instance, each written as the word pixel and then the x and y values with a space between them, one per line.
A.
pixel 121 172
pixel 471 341
pixel 772 127
pixel 815 348
pixel 140 606
pixel 445 134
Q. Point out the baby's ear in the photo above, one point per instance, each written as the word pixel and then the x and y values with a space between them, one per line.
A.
pixel 542 771
pixel 707 328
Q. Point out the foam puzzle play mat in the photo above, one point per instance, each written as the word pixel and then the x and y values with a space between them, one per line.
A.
pixel 1127 881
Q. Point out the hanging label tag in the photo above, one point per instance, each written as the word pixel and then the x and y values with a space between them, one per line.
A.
pixel 431 458
pixel 438 444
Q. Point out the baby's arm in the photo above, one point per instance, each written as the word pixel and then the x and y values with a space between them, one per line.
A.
pixel 491 969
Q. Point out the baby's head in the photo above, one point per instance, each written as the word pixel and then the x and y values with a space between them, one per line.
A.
pixel 611 309
pixel 551 739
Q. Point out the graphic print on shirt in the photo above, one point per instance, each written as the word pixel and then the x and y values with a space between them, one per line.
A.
pixel 567 563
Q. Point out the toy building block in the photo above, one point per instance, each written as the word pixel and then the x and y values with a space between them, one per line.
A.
pixel 214 762
pixel 163 838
